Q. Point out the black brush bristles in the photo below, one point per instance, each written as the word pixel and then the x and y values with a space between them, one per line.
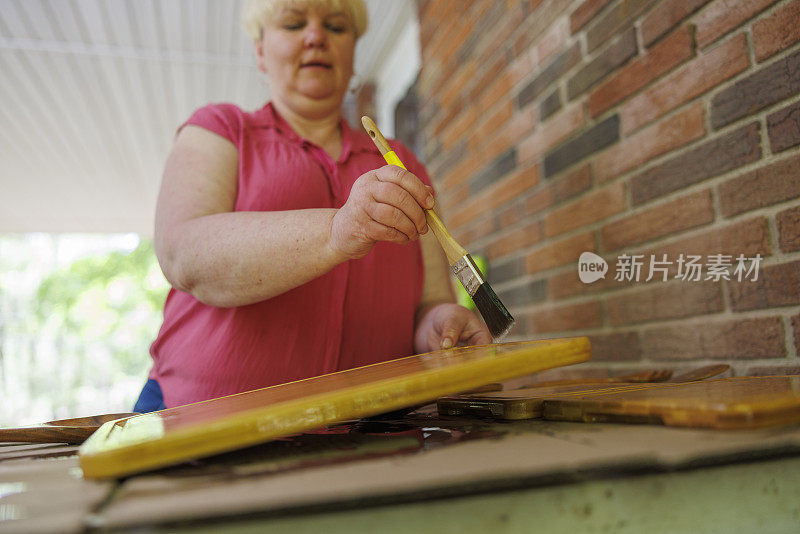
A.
pixel 494 314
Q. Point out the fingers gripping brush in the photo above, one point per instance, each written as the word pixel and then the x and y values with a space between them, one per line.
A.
pixel 492 310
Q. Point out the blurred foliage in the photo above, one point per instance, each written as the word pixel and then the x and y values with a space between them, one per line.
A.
pixel 78 343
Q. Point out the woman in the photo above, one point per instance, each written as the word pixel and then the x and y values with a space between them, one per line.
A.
pixel 292 249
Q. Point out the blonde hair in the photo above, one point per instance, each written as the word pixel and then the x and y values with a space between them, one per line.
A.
pixel 256 13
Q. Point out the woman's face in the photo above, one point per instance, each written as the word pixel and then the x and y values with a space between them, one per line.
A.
pixel 307 52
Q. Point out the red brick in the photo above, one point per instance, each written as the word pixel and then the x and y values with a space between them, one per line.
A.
pixel 496 144
pixel 672 300
pixel 650 142
pixel 539 200
pixel 723 340
pixel 486 75
pixel 462 171
pixel 467 212
pixel 496 194
pixel 457 35
pixel 520 68
pixel 460 125
pixel 558 190
pixel 788 222
pixel 499 89
pixel 495 40
pixel 557 253
pixel 616 347
pixel 666 16
pixel 523 122
pixel 723 16
pixel 510 215
pixel 516 240
pixel 584 13
pixel 444 117
pixel 749 237
pixel 553 41
pixel 664 219
pixel 768 185
pixel 572 183
pixel 550 133
pixel 776 285
pixel 491 122
pixel 588 209
pixel 675 49
pixel 454 87
pixel 693 79
pixel 609 60
pixel 565 318
pixel 514 185
pixel 777 32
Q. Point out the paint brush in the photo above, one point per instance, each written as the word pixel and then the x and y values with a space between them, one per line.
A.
pixel 492 310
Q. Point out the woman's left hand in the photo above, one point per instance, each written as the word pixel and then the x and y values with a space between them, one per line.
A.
pixel 446 325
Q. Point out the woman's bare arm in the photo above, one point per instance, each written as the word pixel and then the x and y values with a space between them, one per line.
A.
pixel 227 258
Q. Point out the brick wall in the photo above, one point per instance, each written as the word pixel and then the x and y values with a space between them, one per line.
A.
pixel 624 127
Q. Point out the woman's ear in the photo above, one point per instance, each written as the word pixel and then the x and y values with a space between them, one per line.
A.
pixel 260 63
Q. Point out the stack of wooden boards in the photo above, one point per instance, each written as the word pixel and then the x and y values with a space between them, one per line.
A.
pixel 744 402
pixel 175 435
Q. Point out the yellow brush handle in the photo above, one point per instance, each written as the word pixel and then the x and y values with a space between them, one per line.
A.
pixel 452 249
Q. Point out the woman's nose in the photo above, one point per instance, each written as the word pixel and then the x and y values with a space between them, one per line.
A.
pixel 315 36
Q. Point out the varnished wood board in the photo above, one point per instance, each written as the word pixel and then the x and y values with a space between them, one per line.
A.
pixel 175 435
pixel 727 403
pixel 72 431
pixel 525 403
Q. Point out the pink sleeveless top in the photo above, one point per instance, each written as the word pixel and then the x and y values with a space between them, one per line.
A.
pixel 359 313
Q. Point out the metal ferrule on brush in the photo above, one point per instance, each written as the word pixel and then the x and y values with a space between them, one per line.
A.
pixel 468 274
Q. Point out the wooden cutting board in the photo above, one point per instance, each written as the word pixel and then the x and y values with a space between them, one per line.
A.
pixel 743 402
pixel 525 403
pixel 175 435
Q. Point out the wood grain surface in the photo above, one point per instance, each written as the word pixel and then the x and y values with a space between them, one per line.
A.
pixel 186 432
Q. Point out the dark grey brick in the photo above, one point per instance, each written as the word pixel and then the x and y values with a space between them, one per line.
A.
pixel 590 141
pixel 615 20
pixel 611 58
pixel 758 91
pixel 550 105
pixel 488 20
pixel 445 161
pixel 561 64
pixel 508 270
pixel 783 127
pixel 528 293
pixel 709 159
pixel 498 168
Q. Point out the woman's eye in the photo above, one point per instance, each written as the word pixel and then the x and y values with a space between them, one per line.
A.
pixel 337 28
pixel 293 25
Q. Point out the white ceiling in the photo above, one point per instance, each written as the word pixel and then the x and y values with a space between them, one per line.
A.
pixel 92 91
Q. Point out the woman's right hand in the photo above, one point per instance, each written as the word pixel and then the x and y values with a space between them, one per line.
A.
pixel 386 204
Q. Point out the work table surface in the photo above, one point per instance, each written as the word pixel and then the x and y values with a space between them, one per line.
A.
pixel 426 473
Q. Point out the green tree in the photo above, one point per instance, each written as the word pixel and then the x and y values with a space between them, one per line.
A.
pixel 101 312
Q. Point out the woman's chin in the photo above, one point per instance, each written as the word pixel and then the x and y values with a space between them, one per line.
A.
pixel 318 93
